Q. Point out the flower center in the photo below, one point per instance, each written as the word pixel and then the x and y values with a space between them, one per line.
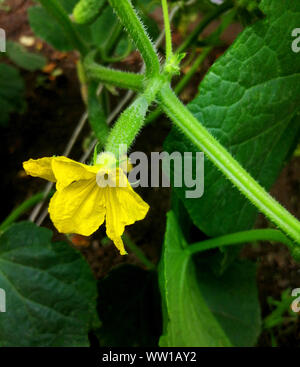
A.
pixel 111 178
pixel 105 178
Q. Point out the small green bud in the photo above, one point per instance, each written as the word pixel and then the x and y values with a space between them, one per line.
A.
pixel 87 10
pixel 172 65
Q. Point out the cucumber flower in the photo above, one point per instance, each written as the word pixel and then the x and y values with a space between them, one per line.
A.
pixel 88 195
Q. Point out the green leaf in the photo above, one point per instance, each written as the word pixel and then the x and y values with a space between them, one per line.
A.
pixel 182 216
pixel 201 309
pixel 129 307
pixel 103 27
pixel 24 59
pixel 233 300
pixel 11 92
pixel 188 322
pixel 48 29
pixel 248 101
pixel 50 290
pixel 97 118
pixel 102 30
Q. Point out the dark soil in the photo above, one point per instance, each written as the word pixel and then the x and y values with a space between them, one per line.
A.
pixel 53 110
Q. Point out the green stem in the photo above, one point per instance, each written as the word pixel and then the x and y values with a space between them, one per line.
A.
pixel 203 24
pixel 222 159
pixel 136 30
pixel 57 11
pixel 200 59
pixel 127 127
pixel 134 82
pixel 107 75
pixel 113 39
pixel 27 204
pixel 138 253
pixel 114 59
pixel 167 29
pixel 182 83
pixel 238 238
pixel 132 119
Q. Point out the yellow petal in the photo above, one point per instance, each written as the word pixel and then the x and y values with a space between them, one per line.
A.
pixel 67 171
pixel 118 242
pixel 40 168
pixel 78 208
pixel 61 169
pixel 123 207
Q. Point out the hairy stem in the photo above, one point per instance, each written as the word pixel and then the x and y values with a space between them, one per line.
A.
pixel 132 119
pixel 127 127
pixel 222 159
pixel 107 75
pixel 137 32
pixel 182 83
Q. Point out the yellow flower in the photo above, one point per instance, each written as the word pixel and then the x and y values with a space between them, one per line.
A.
pixel 88 195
